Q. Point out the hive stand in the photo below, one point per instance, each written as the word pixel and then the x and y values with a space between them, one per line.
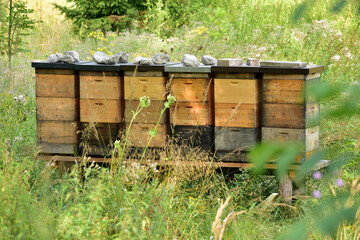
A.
pixel 192 115
pixel 150 81
pixel 101 106
pixel 237 110
pixel 57 107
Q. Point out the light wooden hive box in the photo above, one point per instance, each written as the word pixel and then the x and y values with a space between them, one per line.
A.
pixel 192 115
pixel 101 106
pixel 57 107
pixel 289 113
pixel 150 81
pixel 237 98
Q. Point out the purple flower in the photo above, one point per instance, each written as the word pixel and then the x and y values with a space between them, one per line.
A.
pixel 340 182
pixel 317 175
pixel 316 194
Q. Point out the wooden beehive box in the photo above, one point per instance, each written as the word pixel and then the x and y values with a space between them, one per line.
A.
pixel 150 81
pixel 237 98
pixel 192 116
pixel 57 107
pixel 101 106
pixel 289 114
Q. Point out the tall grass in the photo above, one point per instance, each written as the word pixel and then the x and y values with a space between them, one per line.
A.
pixel 144 202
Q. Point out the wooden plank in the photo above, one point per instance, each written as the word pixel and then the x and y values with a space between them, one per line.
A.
pixel 188 75
pixel 234 138
pixel 153 87
pixel 191 90
pixel 105 111
pixel 283 91
pixel 57 132
pixel 57 148
pixel 308 137
pixel 63 109
pixel 144 74
pixel 139 135
pixel 231 156
pixel 100 87
pixel 194 136
pixel 150 114
pixel 99 73
pixel 191 114
pixel 319 165
pixel 99 133
pixel 236 91
pixel 233 75
pixel 237 115
pixel 50 85
pixel 55 71
pixel 290 115
pixel 267 76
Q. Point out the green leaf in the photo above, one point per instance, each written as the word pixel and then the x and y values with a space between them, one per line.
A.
pixel 299 11
pixel 309 164
pixel 152 132
pixel 298 232
pixel 339 5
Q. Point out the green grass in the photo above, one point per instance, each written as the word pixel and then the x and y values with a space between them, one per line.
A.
pixel 136 202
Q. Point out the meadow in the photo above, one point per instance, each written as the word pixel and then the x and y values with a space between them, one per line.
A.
pixel 137 202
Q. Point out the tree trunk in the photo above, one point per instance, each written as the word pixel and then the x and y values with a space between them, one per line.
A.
pixel 286 189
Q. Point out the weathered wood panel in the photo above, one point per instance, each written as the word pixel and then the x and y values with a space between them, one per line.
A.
pixel 236 91
pixel 309 136
pixel 237 115
pixel 153 87
pixel 144 74
pixel 194 136
pixel 139 135
pixel 100 87
pixel 58 148
pixel 191 90
pixel 51 85
pixel 57 132
pixel 234 138
pixel 63 109
pixel 291 76
pixel 283 91
pixel 106 111
pixel 54 71
pixel 192 113
pixel 100 133
pixel 188 75
pixel 150 114
pixel 231 156
pixel 99 73
pixel 235 75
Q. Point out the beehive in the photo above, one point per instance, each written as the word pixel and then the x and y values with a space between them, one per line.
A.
pixel 150 81
pixel 237 98
pixel 289 113
pixel 101 106
pixel 192 115
pixel 57 107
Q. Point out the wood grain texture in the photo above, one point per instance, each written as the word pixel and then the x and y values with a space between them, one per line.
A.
pixel 63 109
pixel 139 135
pixel 99 73
pixel 101 134
pixel 188 75
pixel 57 148
pixel 191 90
pixel 57 132
pixel 267 76
pixel 103 111
pixel 150 114
pixel 290 115
pixel 144 74
pixel 55 71
pixel 237 115
pixel 233 138
pixel 308 137
pixel 100 87
pixel 194 136
pixel 191 114
pixel 225 75
pixel 51 85
pixel 236 91
pixel 283 91
pixel 231 156
pixel 153 87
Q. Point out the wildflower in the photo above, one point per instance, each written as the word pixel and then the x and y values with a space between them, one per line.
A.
pixel 317 175
pixel 316 194
pixel 348 55
pixel 340 182
pixel 335 58
pixel 324 35
pixel 145 102
pixel 170 101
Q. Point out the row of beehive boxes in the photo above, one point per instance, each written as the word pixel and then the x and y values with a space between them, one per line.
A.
pixel 217 108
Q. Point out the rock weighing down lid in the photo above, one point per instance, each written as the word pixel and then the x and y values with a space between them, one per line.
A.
pixel 181 68
pixel 283 67
pixel 58 65
pixel 144 68
pixel 93 66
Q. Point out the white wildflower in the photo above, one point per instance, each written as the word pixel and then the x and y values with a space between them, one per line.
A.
pixel 336 58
